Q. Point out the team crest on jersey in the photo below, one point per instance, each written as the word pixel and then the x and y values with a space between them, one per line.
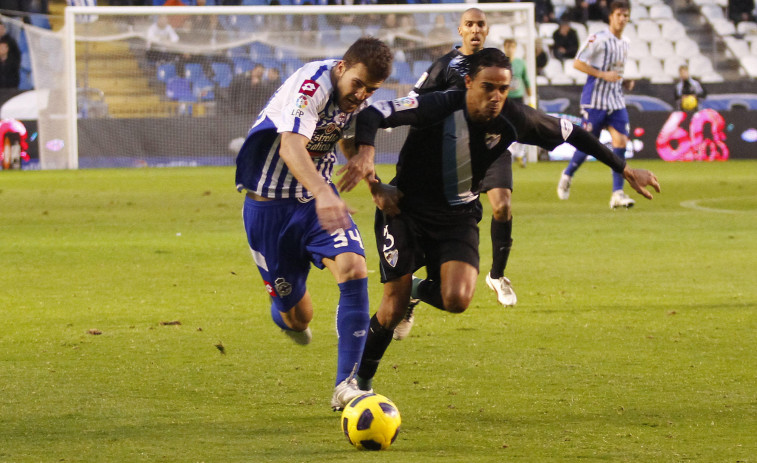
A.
pixel 408 102
pixel 302 102
pixel 492 139
pixel 592 38
pixel 331 127
pixel 309 87
pixel 283 287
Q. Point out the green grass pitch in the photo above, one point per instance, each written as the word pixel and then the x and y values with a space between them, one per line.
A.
pixel 634 339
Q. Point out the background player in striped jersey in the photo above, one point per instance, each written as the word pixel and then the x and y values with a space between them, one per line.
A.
pixel 448 72
pixel 603 58
pixel 293 214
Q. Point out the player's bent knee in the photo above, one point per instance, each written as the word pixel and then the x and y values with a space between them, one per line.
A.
pixel 295 322
pixel 349 266
pixel 457 302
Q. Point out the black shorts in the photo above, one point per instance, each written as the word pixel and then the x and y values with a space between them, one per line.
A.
pixel 411 240
pixel 499 174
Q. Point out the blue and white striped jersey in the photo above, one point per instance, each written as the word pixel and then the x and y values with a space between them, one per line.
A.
pixel 605 52
pixel 305 104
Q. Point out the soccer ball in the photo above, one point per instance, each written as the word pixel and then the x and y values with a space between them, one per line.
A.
pixel 689 102
pixel 371 422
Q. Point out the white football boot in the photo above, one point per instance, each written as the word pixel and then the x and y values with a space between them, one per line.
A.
pixel 503 288
pixel 620 199
pixel 345 391
pixel 563 187
pixel 402 330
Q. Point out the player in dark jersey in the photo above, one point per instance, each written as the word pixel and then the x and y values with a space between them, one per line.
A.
pixel 441 169
pixel 447 72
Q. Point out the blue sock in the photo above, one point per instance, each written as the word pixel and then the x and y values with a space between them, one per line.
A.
pixel 578 158
pixel 617 179
pixel 352 323
pixel 277 319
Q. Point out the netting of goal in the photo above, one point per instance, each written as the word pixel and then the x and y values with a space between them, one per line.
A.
pixel 121 90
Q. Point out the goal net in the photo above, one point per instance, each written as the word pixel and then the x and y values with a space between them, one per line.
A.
pixel 179 86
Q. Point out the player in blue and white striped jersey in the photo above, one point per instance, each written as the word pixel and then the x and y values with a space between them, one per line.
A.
pixel 293 214
pixel 603 58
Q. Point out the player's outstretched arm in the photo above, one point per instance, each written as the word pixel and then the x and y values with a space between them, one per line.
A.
pixel 360 165
pixel 639 179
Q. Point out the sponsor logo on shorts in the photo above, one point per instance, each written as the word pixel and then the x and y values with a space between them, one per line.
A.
pixel 269 288
pixel 566 127
pixel 359 333
pixel 391 257
pixel 283 287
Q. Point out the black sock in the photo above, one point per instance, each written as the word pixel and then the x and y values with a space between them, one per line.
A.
pixel 375 346
pixel 502 242
pixel 430 292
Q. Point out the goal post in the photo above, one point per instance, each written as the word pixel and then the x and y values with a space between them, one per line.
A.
pixel 134 94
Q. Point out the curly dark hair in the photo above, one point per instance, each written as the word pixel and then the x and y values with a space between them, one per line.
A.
pixel 373 53
pixel 485 58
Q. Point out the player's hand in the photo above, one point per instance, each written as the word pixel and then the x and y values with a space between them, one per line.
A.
pixel 611 76
pixel 387 198
pixel 358 167
pixel 332 212
pixel 639 179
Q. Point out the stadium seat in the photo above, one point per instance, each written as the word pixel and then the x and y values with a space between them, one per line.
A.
pixel 671 64
pixel 722 26
pixel 242 64
pixel 578 76
pixel 260 51
pixel 558 105
pixel 419 67
pixel 581 31
pixel 650 67
pixel 165 71
pixel 26 82
pixel 592 27
pixel 661 11
pixel 661 48
pixel 222 74
pixel 547 30
pixel 746 28
pixel 737 48
pixel 700 65
pixel 711 11
pixel 638 50
pixel 673 30
pixel 630 33
pixel 499 32
pixel 638 13
pixel 194 72
pixel 686 47
pixel 349 34
pixel 179 89
pixel 631 71
pixel 401 72
pixel 647 30
pixel 383 94
pixel 749 66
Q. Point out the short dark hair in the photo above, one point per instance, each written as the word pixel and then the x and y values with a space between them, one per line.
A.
pixel 619 5
pixel 373 53
pixel 485 58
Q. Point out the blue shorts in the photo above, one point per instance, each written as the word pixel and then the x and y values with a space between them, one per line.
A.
pixel 285 237
pixel 594 120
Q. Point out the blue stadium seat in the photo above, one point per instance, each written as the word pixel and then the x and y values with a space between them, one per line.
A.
pixel 179 89
pixel 222 74
pixel 203 89
pixel 647 103
pixel 260 51
pixel 383 94
pixel 420 66
pixel 194 72
pixel 242 64
pixel 26 62
pixel 26 82
pixel 165 71
pixel 40 20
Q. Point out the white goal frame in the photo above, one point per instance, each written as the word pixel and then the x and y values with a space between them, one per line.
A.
pixel 72 12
